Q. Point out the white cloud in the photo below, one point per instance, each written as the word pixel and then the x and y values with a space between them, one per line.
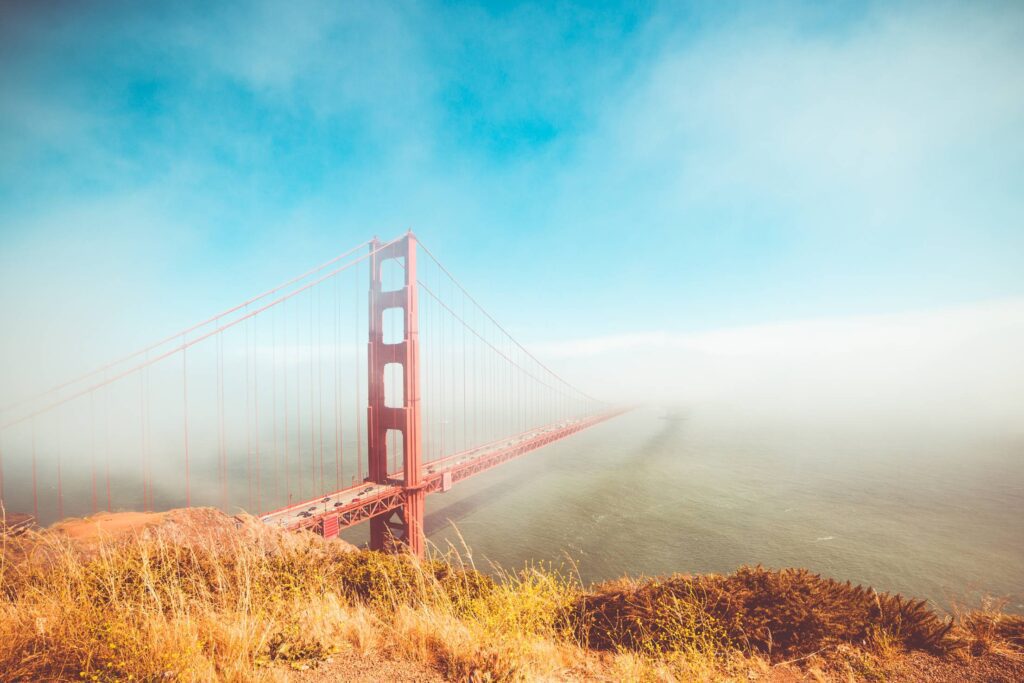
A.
pixel 905 123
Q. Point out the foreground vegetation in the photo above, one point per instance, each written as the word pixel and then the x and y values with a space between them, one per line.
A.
pixel 200 596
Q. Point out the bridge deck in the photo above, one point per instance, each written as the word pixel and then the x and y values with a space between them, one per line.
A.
pixel 350 506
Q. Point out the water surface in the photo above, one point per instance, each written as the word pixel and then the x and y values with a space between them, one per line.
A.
pixel 658 491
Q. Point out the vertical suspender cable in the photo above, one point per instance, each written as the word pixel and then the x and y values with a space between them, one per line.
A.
pixel 92 441
pixel 142 434
pixel 60 483
pixel 222 465
pixel 149 444
pixel 106 446
pixel 248 426
pixel 147 464
pixel 273 405
pixel 337 384
pixel 320 381
pixel 184 397
pixel 256 411
pixel 357 413
pixel 35 492
pixel 441 374
pixel 284 363
pixel 312 412
pixel 455 394
pixel 477 388
pixel 464 419
pixel 298 404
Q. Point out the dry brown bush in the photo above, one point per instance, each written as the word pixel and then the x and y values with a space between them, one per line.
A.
pixel 782 614
pixel 990 630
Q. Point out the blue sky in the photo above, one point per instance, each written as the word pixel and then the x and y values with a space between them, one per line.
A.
pixel 587 170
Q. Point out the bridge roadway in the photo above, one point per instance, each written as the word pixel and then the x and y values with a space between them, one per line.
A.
pixel 329 514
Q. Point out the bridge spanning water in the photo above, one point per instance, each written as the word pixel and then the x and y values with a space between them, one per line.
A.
pixel 344 395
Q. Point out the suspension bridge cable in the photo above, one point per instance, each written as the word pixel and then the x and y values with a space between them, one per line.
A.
pixel 498 325
pixel 192 342
pixel 184 332
pixel 501 354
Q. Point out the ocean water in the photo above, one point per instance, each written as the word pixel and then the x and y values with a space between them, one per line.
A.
pixel 661 490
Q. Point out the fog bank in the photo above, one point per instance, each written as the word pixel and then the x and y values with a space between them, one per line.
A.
pixel 951 371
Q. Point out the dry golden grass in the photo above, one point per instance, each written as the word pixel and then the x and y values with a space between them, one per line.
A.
pixel 990 630
pixel 203 596
pixel 202 600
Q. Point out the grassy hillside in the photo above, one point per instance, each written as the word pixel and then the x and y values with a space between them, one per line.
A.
pixel 196 595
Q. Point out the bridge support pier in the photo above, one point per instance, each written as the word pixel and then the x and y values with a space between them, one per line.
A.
pixel 392 530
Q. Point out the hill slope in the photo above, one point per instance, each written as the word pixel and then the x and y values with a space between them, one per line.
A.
pixel 197 595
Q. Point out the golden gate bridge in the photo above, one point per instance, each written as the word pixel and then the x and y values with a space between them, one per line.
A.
pixel 343 395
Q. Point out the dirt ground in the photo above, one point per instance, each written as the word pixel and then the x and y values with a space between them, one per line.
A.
pixel 107 523
pixel 353 668
pixel 919 667
pixel 914 668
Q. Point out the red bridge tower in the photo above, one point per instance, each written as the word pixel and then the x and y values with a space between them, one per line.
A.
pixel 404 524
